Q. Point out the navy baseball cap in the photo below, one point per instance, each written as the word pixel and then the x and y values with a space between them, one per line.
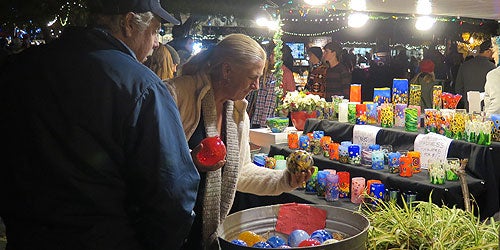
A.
pixel 137 6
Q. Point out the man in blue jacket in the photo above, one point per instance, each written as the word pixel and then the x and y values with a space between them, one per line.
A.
pixel 96 156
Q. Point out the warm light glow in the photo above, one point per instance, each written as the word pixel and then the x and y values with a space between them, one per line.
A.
pixel 424 7
pixel 358 5
pixel 315 2
pixel 357 20
pixel 424 23
pixel 262 21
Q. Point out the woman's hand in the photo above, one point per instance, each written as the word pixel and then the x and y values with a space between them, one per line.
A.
pixel 201 167
pixel 298 179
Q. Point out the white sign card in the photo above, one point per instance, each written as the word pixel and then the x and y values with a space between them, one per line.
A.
pixel 431 146
pixel 364 135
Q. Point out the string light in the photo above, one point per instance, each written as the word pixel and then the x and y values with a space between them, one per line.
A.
pixel 314 34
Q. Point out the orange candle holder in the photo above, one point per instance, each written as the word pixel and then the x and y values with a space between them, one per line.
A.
pixel 355 93
pixel 333 151
pixel 293 140
pixel 415 161
pixel 405 166
pixel 369 184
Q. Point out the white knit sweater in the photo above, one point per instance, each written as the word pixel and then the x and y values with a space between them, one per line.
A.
pixel 195 99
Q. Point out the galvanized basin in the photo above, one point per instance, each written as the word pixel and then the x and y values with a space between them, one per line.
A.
pixel 262 221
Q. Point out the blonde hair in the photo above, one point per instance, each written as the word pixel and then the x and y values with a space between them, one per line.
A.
pixel 236 49
pixel 161 63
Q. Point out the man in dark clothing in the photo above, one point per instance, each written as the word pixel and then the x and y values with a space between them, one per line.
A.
pixel 472 73
pixel 96 156
pixel 338 77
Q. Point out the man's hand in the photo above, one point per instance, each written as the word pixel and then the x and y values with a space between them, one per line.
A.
pixel 299 178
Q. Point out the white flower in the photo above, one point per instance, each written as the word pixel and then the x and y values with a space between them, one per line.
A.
pixel 300 101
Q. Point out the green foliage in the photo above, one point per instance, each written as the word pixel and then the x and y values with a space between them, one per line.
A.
pixel 424 225
pixel 278 62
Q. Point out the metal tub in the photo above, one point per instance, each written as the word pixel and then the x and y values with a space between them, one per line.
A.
pixel 262 221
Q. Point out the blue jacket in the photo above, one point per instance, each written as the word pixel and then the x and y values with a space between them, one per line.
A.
pixel 97 157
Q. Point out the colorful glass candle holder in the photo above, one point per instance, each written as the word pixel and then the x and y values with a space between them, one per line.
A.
pixel 355 93
pixel 351 112
pixel 343 154
pixel 318 134
pixel 357 189
pixel 411 119
pixel 393 163
pixel 437 173
pixel 419 112
pixel 369 184
pixel 332 187
pixel 415 94
pixel 415 161
pixel 399 114
pixel 495 134
pixel 457 124
pixel 377 159
pixel 293 140
pixel 377 191
pixel 386 149
pixel 304 142
pixel 387 116
pixel 381 95
pixel 321 183
pixel 311 183
pixel 361 118
pixel 437 90
pixel 431 119
pixel 405 166
pixel 371 113
pixel 354 151
pixel 452 166
pixel 400 91
pixel 344 184
pixel 343 112
pixel 446 120
pixel 333 151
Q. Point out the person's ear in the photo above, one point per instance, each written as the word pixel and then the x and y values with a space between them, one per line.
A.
pixel 127 25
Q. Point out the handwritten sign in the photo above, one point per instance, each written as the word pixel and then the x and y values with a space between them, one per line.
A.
pixel 364 135
pixel 431 146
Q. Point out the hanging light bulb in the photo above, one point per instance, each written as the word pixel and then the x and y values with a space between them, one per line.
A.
pixel 424 7
pixel 315 2
pixel 358 5
pixel 357 20
pixel 424 23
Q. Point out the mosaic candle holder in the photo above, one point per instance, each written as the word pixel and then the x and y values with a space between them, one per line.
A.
pixel 354 152
pixel 333 151
pixel 411 119
pixel 431 119
pixel 361 118
pixel 400 91
pixel 377 159
pixel 381 95
pixel 332 187
pixel 369 184
pixel 399 114
pixel 318 134
pixel 371 113
pixel 343 154
pixel 293 140
pixel 415 94
pixel 311 183
pixel 321 183
pixel 344 184
pixel 351 112
pixel 405 166
pixel 325 143
pixel 437 90
pixel 377 190
pixel 303 142
pixel 446 120
pixel 393 163
pixel 457 124
pixel 495 134
pixel 387 116
pixel 415 161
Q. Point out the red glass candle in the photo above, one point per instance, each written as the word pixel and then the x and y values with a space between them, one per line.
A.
pixel 344 184
pixel 405 167
pixel 293 140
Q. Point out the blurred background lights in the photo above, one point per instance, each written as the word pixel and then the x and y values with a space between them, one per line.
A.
pixel 424 23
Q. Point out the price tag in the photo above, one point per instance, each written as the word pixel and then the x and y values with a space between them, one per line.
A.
pixel 364 135
pixel 432 146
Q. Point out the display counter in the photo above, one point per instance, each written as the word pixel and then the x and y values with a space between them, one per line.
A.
pixel 483 169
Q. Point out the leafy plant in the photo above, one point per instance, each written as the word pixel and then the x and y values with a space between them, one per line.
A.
pixel 425 225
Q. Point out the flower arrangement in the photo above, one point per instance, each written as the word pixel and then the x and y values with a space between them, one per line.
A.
pixel 301 101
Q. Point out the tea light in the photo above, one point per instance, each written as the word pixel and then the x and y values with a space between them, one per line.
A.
pixel 318 134
pixel 355 93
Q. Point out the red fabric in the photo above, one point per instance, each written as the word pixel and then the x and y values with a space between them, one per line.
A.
pixel 288 80
pixel 427 66
pixel 294 216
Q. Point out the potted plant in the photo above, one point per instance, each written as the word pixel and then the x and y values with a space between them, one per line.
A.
pixel 301 105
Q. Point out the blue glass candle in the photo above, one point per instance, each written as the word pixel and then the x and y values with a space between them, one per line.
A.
pixel 371 113
pixel 393 162
pixel 321 184
pixel 303 142
pixel 381 95
pixel 377 159
pixel 318 134
pixel 400 91
pixel 377 190
pixel 354 151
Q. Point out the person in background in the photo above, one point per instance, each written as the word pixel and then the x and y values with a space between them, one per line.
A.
pixel 317 75
pixel 426 79
pixel 211 99
pixel 184 47
pixel 97 158
pixel 262 102
pixel 161 63
pixel 492 92
pixel 176 60
pixel 288 82
pixel 338 77
pixel 472 73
